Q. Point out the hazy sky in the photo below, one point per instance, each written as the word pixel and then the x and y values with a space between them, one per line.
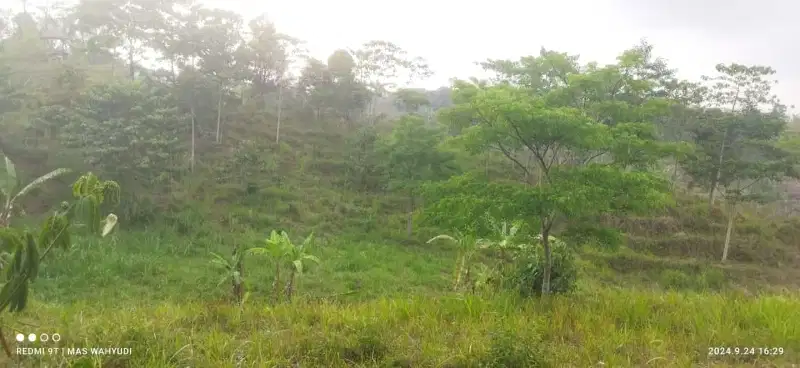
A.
pixel 693 35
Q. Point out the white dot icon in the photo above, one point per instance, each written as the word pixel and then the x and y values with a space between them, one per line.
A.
pixel 20 337
pixel 32 337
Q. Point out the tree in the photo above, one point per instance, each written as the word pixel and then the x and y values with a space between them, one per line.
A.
pixel 565 144
pixel 737 88
pixel 382 66
pixel 129 131
pixel 220 37
pixel 268 57
pixel 752 155
pixel 285 254
pixel 410 100
pixel 23 250
pixel 413 157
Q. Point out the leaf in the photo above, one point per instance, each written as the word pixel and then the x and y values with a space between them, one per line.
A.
pixel 220 260
pixel 442 237
pixel 311 258
pixel 39 182
pixel 20 299
pixel 55 232
pixel 109 223
pixel 5 295
pixel 298 265
pixel 32 257
pixel 11 173
pixel 308 239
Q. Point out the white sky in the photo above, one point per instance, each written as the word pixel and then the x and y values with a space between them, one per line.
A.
pixel 693 35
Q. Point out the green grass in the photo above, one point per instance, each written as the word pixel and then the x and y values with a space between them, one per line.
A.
pixel 158 294
pixel 618 327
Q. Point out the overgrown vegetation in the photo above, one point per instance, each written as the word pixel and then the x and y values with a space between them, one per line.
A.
pixel 562 213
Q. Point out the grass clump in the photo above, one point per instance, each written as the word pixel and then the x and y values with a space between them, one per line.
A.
pixel 617 327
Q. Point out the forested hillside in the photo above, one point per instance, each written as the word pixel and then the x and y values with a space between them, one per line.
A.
pixel 269 209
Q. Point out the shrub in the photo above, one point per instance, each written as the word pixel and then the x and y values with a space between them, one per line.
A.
pixel 676 280
pixel 510 349
pixel 527 272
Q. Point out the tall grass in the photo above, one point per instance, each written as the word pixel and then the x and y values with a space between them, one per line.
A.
pixel 157 294
pixel 620 328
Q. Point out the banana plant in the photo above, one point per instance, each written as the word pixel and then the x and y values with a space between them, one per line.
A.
pixel 276 247
pixel 234 272
pixel 9 193
pixel 24 251
pixel 296 257
pixel 467 247
pixel 284 253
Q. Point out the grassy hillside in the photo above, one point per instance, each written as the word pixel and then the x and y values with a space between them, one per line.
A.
pixel 609 253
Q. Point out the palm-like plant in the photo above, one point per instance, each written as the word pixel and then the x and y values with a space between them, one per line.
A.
pixel 279 247
pixel 297 257
pixel 234 272
pixel 22 252
pixel 467 246
pixel 9 194
pixel 506 236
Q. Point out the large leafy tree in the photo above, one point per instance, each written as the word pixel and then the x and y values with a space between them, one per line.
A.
pixel 413 157
pixel 130 132
pixel 584 159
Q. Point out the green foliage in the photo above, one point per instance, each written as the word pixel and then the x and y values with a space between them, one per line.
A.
pixel 147 126
pixel 466 202
pixel 21 255
pixel 365 169
pixel 90 193
pixel 413 155
pixel 284 255
pixel 527 275
pixel 467 246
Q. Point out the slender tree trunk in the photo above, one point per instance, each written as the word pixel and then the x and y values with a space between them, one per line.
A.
pixel 729 231
pixel 410 220
pixel 132 70
pixel 459 271
pixel 276 286
pixel 290 285
pixel 280 105
pixel 172 69
pixel 238 288
pixel 674 174
pixel 548 257
pixel 718 174
pixel 191 155
pixel 219 114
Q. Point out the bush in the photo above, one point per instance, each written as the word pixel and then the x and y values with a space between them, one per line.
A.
pixel 511 349
pixel 527 273
pixel 676 280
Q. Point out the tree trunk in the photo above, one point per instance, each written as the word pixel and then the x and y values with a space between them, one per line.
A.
pixel 729 231
pixel 276 286
pixel 219 113
pixel 718 174
pixel 191 155
pixel 238 289
pixel 290 285
pixel 280 105
pixel 548 257
pixel 459 271
pixel 711 192
pixel 410 220
pixel 172 70
pixel 132 70
pixel 674 174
